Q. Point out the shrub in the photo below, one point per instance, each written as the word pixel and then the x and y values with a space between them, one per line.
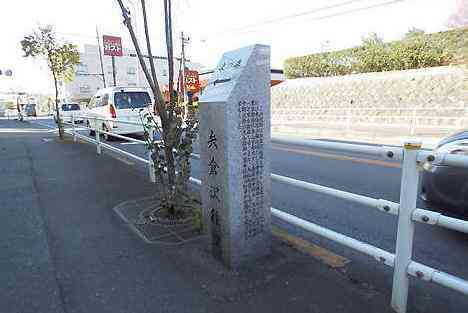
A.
pixel 419 51
pixel 372 56
pixel 415 50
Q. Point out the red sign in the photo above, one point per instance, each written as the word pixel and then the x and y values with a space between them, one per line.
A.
pixel 112 45
pixel 192 81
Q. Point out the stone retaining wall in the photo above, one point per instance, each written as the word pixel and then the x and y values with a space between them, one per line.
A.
pixel 413 102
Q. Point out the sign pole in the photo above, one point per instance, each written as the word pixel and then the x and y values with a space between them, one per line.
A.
pixel 100 57
pixel 183 67
pixel 113 70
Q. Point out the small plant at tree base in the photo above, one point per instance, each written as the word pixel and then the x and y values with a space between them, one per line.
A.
pixel 175 199
pixel 62 58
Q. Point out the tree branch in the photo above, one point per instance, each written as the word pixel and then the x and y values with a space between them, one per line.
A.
pixel 148 46
pixel 128 24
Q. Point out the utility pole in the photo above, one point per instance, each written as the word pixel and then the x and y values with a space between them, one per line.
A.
pixel 113 69
pixel 100 57
pixel 170 51
pixel 135 27
pixel 182 60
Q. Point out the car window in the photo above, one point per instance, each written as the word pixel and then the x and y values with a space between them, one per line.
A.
pixel 92 102
pixel 105 100
pixel 457 136
pixel 70 107
pixel 131 100
pixel 98 101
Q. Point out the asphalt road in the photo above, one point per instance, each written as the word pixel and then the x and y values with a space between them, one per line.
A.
pixel 439 248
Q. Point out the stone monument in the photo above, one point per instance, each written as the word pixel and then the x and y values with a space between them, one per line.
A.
pixel 235 156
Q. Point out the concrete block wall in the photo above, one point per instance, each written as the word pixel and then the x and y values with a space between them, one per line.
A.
pixel 412 102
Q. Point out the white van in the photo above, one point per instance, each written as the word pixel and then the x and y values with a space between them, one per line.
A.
pixel 118 103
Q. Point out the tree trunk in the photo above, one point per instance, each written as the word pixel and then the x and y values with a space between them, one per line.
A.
pixel 57 111
pixel 174 171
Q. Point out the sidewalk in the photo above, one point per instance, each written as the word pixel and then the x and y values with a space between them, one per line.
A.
pixel 63 249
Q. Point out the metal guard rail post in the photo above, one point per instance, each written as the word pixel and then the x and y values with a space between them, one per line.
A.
pixel 405 230
pixel 406 211
pixel 413 268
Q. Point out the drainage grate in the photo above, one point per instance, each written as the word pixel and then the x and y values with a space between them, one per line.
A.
pixel 130 213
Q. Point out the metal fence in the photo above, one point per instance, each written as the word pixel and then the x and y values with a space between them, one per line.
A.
pixel 410 119
pixel 410 156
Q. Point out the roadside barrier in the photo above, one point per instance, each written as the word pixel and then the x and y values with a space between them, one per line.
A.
pixel 410 156
pixel 411 119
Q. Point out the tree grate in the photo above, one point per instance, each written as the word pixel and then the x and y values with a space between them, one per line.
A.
pixel 153 232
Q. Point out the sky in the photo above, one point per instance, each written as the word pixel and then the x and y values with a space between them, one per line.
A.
pixel 292 28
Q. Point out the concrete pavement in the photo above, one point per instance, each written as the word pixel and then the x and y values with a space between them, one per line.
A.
pixel 436 247
pixel 64 250
pixel 28 281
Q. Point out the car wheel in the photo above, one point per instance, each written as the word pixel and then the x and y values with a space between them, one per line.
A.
pixel 423 196
pixel 105 136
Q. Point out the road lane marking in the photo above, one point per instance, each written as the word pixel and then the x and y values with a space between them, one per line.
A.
pixel 321 254
pixel 132 143
pixel 337 157
pixel 23 130
pixel 54 128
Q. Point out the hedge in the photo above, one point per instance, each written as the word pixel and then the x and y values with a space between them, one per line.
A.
pixel 415 50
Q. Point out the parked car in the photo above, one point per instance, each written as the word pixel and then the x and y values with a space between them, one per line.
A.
pixel 121 104
pixel 67 110
pixel 2 108
pixel 446 187
pixel 30 109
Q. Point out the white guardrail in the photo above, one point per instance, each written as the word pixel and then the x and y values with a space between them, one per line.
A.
pixel 383 117
pixel 411 158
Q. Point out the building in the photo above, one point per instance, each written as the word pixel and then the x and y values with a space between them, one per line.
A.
pixel 88 78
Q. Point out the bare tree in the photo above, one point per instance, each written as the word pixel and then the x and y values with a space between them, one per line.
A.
pixel 171 156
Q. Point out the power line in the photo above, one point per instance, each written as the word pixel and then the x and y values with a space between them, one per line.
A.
pixel 278 19
pixel 77 35
pixel 238 30
pixel 357 10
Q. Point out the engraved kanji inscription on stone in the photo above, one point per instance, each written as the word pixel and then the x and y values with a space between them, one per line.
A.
pixel 213 166
pixel 251 128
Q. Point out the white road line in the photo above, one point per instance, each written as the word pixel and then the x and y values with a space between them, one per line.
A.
pixel 131 143
pixel 43 124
